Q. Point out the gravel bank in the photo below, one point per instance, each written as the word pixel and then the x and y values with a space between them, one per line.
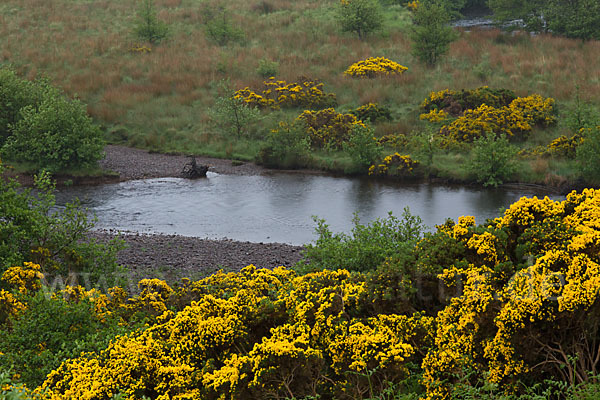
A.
pixel 132 163
pixel 172 257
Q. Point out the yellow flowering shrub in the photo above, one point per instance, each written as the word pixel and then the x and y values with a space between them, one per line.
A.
pixel 485 119
pixel 306 93
pixel 24 279
pixel 455 103
pixel 394 164
pixel 527 278
pixel 10 306
pixel 374 67
pixel 565 146
pixel 396 142
pixel 435 116
pixel 328 128
pixel 536 109
pixel 254 334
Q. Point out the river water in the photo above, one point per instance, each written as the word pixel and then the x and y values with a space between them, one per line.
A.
pixel 278 207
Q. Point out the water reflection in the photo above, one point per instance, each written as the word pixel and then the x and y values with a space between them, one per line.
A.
pixel 276 208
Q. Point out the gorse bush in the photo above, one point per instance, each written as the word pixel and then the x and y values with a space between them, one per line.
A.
pixel 277 93
pixel 394 165
pixel 372 112
pixel 328 128
pixel 483 110
pixel 374 67
pixel 455 103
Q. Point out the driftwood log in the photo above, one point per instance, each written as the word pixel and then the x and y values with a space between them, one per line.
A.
pixel 192 170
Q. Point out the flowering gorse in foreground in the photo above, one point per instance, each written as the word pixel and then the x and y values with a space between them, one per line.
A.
pixel 521 302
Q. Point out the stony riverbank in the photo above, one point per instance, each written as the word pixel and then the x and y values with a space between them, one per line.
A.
pixel 172 257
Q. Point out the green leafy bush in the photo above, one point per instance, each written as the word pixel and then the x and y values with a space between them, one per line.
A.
pixel 364 149
pixel 15 93
pixel 588 154
pixel 267 68
pixel 366 247
pixel 219 28
pixel 58 134
pixel 232 115
pixel 288 146
pixel 32 230
pixel 493 160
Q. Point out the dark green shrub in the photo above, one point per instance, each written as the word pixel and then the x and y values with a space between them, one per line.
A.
pixel 148 27
pixel 588 154
pixel 288 146
pixel 267 68
pixel 493 160
pixel 16 93
pixel 366 247
pixel 364 149
pixel 32 230
pixel 56 135
pixel 219 28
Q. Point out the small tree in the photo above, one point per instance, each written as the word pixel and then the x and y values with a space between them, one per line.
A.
pixel 431 33
pixel 232 115
pixel 493 160
pixel 148 27
pixel 360 16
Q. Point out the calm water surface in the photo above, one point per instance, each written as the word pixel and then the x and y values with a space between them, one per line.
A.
pixel 276 208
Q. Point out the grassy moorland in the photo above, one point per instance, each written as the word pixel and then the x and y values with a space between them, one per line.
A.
pixel 160 99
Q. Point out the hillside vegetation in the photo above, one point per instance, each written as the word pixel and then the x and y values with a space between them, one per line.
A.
pixel 173 92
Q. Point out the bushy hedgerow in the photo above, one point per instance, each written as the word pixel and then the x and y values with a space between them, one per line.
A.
pixel 394 165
